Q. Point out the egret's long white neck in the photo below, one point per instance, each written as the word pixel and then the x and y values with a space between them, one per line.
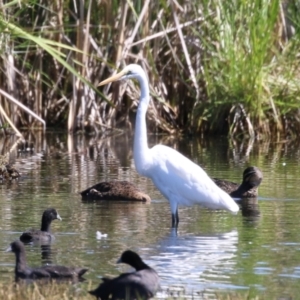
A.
pixel 140 149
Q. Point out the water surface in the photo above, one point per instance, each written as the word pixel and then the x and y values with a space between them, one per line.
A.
pixel 253 253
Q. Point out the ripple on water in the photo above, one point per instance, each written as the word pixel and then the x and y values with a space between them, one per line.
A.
pixel 196 262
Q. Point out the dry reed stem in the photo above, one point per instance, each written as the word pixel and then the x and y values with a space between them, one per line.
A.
pixel 176 58
pixel 165 31
pixel 186 54
pixel 121 41
pixel 18 133
pixel 12 99
pixel 129 41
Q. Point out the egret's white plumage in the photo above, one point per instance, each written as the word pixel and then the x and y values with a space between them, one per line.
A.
pixel 180 180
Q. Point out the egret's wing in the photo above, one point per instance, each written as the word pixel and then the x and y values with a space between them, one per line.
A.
pixel 179 178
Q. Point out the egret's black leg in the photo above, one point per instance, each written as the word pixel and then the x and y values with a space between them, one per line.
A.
pixel 174 211
pixel 175 219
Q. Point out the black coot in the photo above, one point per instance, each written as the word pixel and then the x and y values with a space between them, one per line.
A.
pixel 44 234
pixel 139 285
pixel 22 271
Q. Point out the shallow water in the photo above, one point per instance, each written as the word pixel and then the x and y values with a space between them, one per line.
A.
pixel 256 252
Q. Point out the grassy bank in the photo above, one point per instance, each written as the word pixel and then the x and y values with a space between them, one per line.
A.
pixel 46 291
pixel 226 67
pixel 75 292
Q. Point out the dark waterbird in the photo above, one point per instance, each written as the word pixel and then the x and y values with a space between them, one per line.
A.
pixel 115 190
pixel 22 271
pixel 141 284
pixel 252 177
pixel 44 234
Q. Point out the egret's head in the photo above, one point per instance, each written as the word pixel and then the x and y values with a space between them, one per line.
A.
pixel 130 71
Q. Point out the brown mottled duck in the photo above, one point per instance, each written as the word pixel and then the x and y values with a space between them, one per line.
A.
pixel 252 178
pixel 115 190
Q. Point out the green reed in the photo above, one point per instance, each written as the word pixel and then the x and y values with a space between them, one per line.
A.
pixel 251 66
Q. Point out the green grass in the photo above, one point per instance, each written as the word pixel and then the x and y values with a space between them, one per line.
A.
pixel 248 65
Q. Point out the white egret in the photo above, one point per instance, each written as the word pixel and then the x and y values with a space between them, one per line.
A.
pixel 180 180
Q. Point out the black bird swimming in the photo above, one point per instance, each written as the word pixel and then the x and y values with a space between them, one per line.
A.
pixel 44 234
pixel 22 271
pixel 115 190
pixel 252 178
pixel 139 285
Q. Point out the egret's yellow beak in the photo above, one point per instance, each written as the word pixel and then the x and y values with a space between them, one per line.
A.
pixel 113 78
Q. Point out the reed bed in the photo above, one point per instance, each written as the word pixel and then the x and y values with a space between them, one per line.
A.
pixel 214 66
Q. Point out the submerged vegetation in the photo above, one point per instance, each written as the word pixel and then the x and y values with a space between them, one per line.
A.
pixel 213 66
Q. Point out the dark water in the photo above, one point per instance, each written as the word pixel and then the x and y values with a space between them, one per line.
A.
pixel 254 253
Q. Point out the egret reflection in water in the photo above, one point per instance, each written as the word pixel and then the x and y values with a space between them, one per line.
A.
pixel 196 262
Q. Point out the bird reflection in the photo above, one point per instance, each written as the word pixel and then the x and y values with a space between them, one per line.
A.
pixel 196 262
pixel 250 209
pixel 46 254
